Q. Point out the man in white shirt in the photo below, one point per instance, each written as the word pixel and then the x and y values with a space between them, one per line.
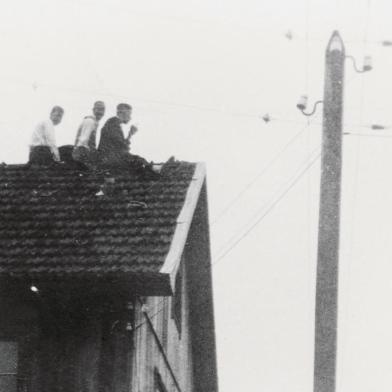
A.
pixel 43 148
pixel 85 149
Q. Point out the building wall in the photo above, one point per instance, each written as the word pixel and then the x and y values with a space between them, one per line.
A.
pixel 162 349
pixel 200 297
pixel 116 344
pixel 64 346
pixel 92 347
pixel 190 349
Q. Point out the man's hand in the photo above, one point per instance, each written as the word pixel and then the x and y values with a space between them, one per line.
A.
pixel 133 130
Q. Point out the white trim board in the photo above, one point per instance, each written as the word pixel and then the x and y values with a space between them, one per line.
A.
pixel 184 220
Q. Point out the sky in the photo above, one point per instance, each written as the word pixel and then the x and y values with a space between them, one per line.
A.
pixel 200 76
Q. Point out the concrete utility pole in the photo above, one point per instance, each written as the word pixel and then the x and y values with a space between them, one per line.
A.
pixel 329 219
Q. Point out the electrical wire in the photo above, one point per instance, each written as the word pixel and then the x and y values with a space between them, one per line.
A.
pixel 368 135
pixel 265 205
pixel 308 199
pixel 159 308
pixel 258 176
pixel 266 213
pixel 354 201
pixel 142 101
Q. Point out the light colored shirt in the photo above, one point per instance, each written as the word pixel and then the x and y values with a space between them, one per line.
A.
pixel 44 135
pixel 124 130
pixel 87 133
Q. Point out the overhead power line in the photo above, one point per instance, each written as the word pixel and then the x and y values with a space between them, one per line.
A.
pixel 158 308
pixel 266 205
pixel 353 212
pixel 258 175
pixel 367 135
pixel 272 206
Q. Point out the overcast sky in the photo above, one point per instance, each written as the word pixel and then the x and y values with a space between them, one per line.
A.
pixel 200 75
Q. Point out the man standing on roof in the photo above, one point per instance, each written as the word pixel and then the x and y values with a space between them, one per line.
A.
pixel 43 149
pixel 114 145
pixel 85 149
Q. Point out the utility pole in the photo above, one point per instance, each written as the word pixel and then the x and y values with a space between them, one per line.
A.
pixel 329 219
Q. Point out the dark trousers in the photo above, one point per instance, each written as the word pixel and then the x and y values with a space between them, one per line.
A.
pixel 123 159
pixel 87 157
pixel 41 155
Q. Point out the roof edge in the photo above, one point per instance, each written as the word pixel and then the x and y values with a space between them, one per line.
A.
pixel 184 220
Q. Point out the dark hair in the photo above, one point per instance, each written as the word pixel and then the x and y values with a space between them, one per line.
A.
pixel 99 103
pixel 123 106
pixel 57 109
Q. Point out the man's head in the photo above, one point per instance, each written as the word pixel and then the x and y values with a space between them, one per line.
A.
pixel 99 110
pixel 124 112
pixel 56 114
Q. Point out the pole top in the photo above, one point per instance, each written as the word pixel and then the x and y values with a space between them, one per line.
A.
pixel 335 43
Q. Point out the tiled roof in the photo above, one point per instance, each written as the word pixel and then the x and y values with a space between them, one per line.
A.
pixel 60 221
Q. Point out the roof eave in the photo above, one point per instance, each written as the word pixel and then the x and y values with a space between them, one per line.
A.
pixel 142 284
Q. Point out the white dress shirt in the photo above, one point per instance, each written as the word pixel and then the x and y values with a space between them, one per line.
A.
pixel 86 130
pixel 44 135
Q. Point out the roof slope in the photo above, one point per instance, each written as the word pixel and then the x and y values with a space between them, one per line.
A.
pixel 59 221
